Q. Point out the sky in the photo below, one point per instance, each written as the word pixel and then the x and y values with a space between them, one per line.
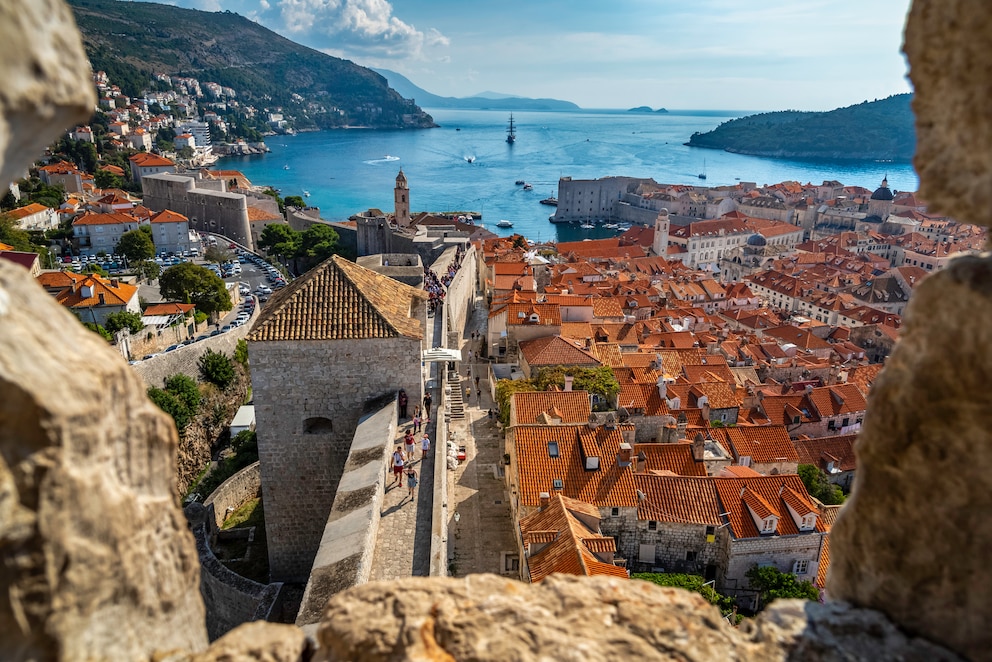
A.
pixel 677 54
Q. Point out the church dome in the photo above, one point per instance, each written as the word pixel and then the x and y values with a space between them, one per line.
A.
pixel 401 180
pixel 756 240
pixel 883 192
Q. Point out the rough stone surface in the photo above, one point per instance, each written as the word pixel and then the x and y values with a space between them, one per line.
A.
pixel 484 617
pixel 46 80
pixel 913 541
pixel 97 562
pixel 257 642
pixel 949 45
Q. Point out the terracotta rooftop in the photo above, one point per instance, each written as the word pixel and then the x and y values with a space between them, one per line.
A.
pixel 676 458
pixel 762 443
pixel 168 308
pixel 824 451
pixel 565 539
pixel 340 300
pixel 147 160
pixel 27 210
pixel 168 216
pixel 762 493
pixel 678 499
pixel 570 406
pixel 74 290
pixel 555 350
pixel 838 399
pixel 546 454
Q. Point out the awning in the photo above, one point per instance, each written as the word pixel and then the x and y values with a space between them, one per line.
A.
pixel 442 354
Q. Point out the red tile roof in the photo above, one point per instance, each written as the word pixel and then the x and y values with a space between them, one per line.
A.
pixel 762 443
pixel 678 499
pixel 149 160
pixel 676 458
pixel 609 486
pixel 820 452
pixel 764 494
pixel 570 406
pixel 555 350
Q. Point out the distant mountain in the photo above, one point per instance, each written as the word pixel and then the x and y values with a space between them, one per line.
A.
pixel 131 41
pixel 873 130
pixel 484 101
pixel 646 109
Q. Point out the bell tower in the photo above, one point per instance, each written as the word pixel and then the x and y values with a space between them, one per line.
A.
pixel 401 198
pixel 660 244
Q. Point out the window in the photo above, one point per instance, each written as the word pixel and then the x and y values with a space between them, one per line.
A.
pixel 800 567
pixel 511 562
pixel 552 449
pixel 652 526
pixel 318 425
pixel 846 422
pixel 690 556
pixel 558 484
pixel 768 525
pixel 614 512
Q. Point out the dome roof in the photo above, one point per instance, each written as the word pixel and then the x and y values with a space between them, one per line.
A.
pixel 883 192
pixel 401 180
pixel 756 240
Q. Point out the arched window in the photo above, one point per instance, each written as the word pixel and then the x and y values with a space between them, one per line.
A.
pixel 317 425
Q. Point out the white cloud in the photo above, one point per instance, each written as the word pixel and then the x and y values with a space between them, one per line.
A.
pixel 357 26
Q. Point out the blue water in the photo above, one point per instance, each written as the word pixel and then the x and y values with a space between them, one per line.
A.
pixel 348 171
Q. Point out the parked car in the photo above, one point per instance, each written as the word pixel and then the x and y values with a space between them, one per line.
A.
pixel 172 347
pixel 226 328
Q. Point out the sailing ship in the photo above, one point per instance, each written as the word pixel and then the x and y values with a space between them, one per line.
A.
pixel 702 175
pixel 511 131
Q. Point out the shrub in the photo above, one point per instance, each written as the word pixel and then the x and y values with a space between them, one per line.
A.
pixel 185 389
pixel 216 368
pixel 772 583
pixel 245 441
pixel 200 318
pixel 172 406
pixel 692 583
pixel 99 330
pixel 124 319
pixel 241 353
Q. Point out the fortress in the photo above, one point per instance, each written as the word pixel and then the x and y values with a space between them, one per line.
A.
pixel 205 202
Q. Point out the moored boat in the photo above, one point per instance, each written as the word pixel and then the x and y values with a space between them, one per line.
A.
pixel 551 200
pixel 503 223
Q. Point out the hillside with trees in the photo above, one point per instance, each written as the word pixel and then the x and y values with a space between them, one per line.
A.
pixel 132 41
pixel 872 130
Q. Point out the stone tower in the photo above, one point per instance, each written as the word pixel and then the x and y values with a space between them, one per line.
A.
pixel 401 196
pixel 337 337
pixel 660 245
pixel 881 201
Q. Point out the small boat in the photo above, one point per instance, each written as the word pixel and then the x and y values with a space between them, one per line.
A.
pixel 551 200
pixel 470 159
pixel 511 132
pixel 503 223
pixel 286 167
pixel 520 182
pixel 702 175
pixel 528 187
pixel 623 227
pixel 611 226
pixel 306 193
pixel 587 226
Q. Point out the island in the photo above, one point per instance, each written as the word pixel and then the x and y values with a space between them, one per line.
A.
pixel 646 110
pixel 879 130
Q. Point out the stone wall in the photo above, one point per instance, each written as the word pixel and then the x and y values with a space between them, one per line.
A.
pixel 779 551
pixel 460 297
pixel 207 210
pixel 184 359
pixel 309 396
pixel 344 556
pixel 671 540
pixel 233 493
pixel 230 599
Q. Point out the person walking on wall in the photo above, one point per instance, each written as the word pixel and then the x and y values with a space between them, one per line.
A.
pixel 398 465
pixel 416 420
pixel 410 444
pixel 411 481
pixel 425 446
pixel 403 401
pixel 427 406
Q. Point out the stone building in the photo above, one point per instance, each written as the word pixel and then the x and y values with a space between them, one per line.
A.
pixel 328 343
pixel 206 203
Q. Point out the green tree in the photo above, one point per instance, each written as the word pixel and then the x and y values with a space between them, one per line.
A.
pixel 185 389
pixel 246 441
pixel 505 388
pixel 93 268
pixel 12 235
pixel 295 201
pixel 135 246
pixel 124 319
pixel 216 368
pixel 172 406
pixel 186 152
pixel 241 353
pixel 147 269
pixel 216 254
pixel 281 240
pixel 772 584
pixel 318 243
pixel 600 381
pixel 818 486
pixel 275 195
pixel 191 283
pixel 106 179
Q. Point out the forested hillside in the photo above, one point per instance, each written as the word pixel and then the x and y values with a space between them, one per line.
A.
pixel 131 41
pixel 878 130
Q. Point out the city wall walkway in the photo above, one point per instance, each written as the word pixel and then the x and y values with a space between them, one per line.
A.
pixel 403 544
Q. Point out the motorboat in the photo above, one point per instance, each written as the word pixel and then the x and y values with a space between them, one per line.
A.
pixel 528 187
pixel 503 223
pixel 306 194
pixel 551 200
pixel 520 182
pixel 587 226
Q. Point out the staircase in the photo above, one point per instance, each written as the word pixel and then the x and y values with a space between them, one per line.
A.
pixel 455 405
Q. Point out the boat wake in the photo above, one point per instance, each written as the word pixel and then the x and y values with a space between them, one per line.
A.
pixel 385 159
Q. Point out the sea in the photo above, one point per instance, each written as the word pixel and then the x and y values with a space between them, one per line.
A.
pixel 467 165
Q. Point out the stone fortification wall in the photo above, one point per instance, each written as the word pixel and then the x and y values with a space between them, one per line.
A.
pixel 585 199
pixel 309 396
pixel 233 493
pixel 440 554
pixel 404 267
pixel 207 210
pixel 229 598
pixel 461 290
pixel 184 359
pixel 628 212
pixel 344 556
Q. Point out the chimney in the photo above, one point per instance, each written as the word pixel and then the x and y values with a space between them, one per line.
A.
pixel 641 465
pixel 698 447
pixel 705 408
pixel 569 379
pixel 625 456
pixel 682 424
pixel 588 343
pixel 662 388
pixel 545 499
